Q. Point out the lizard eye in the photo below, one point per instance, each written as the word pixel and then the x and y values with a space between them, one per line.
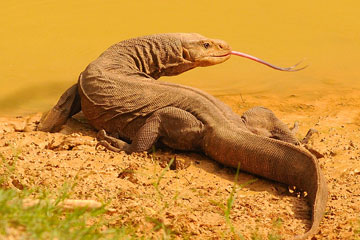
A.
pixel 206 45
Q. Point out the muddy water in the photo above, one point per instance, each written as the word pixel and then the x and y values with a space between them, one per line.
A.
pixel 44 45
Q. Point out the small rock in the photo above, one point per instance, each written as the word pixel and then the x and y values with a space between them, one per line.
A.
pixel 17 184
pixel 288 209
pixel 177 164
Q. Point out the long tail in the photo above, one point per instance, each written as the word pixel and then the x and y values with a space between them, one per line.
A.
pixel 271 159
pixel 68 105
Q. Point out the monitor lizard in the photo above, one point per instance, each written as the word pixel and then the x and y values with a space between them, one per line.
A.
pixel 118 94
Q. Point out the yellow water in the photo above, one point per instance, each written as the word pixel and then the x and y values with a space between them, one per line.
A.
pixel 44 45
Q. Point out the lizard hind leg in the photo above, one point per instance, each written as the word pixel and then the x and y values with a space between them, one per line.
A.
pixel 68 105
pixel 262 121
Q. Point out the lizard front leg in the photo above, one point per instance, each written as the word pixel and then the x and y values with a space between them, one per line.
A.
pixel 144 139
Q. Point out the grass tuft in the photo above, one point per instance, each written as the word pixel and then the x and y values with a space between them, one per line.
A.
pixel 160 225
pixel 156 184
pixel 8 168
pixel 229 204
pixel 274 235
pixel 357 230
pixel 167 232
pixel 47 220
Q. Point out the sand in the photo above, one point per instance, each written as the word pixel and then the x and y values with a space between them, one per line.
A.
pixel 189 198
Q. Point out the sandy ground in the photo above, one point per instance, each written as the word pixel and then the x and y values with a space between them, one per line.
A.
pixel 188 200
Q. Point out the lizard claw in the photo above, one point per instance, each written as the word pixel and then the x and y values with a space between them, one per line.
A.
pixel 102 138
pixel 305 142
pixel 311 132
pixel 101 135
pixel 111 143
pixel 107 145
pixel 295 128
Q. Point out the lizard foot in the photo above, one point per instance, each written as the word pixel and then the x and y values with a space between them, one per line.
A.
pixel 107 145
pixel 309 135
pixel 110 143
pixel 295 128
pixel 314 152
pixel 306 140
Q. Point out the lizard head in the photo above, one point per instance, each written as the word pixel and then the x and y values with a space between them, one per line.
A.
pixel 202 51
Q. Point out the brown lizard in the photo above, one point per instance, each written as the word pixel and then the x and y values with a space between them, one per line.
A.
pixel 118 94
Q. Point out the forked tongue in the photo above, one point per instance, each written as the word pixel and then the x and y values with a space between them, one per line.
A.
pixel 287 69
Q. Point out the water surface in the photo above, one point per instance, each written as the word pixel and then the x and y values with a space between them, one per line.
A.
pixel 44 45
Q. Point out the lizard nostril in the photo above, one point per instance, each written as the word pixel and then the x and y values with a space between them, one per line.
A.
pixel 220 46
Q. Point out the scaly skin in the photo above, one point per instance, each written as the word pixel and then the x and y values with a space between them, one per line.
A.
pixel 119 95
pixel 146 57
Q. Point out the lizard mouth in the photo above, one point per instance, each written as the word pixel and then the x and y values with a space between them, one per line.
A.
pixel 223 55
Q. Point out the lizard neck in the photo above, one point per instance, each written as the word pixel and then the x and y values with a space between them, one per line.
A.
pixel 150 56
